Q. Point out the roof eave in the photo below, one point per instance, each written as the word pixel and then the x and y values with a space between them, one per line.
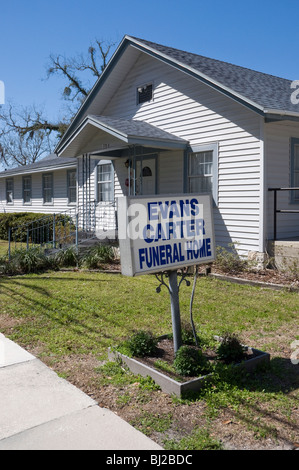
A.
pixel 281 115
pixel 26 171
pixel 122 137
pixel 158 143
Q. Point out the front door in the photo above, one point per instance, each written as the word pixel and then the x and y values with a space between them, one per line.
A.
pixel 145 176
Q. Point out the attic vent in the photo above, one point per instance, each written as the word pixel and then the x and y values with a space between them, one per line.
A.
pixel 144 93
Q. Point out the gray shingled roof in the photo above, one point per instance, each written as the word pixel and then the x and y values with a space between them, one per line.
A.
pixel 132 128
pixel 47 162
pixel 266 90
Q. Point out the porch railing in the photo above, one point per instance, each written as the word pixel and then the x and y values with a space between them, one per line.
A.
pixel 280 211
pixel 55 231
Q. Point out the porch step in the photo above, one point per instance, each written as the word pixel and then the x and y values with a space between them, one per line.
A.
pixel 285 253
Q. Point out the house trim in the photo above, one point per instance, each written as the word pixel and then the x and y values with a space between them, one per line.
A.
pixel 203 148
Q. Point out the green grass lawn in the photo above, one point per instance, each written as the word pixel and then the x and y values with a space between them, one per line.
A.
pixel 62 315
pixel 88 311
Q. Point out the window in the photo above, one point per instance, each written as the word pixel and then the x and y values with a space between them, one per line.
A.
pixel 9 191
pixel 144 93
pixel 48 188
pixel 105 177
pixel 295 170
pixel 72 186
pixel 202 170
pixel 27 189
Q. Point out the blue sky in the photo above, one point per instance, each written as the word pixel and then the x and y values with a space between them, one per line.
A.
pixel 262 35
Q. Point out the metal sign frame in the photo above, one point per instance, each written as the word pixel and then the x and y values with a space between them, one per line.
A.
pixel 164 233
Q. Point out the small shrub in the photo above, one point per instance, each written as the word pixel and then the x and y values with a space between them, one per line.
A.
pixel 140 344
pixel 190 361
pixel 230 349
pixel 187 334
pixel 99 255
pixel 26 261
pixel 68 257
pixel 229 261
pixel 30 261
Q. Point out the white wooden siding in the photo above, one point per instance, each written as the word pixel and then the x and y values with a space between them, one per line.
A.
pixel 60 196
pixel 278 138
pixel 191 110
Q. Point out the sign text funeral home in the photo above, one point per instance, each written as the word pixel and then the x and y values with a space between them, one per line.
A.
pixel 165 233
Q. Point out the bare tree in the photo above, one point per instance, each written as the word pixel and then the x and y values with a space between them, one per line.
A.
pixel 19 150
pixel 72 69
pixel 25 133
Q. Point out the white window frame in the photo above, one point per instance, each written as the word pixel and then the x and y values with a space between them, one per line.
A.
pixel 101 182
pixel 47 203
pixel 11 180
pixel 196 149
pixel 69 187
pixel 27 190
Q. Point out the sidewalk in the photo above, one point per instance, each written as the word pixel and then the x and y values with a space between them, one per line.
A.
pixel 41 411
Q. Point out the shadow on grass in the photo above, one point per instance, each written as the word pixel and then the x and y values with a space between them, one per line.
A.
pixel 82 312
pixel 264 401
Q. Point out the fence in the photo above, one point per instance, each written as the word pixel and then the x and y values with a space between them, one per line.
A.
pixel 55 231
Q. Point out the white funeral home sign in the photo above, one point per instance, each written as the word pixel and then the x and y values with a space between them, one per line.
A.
pixel 164 233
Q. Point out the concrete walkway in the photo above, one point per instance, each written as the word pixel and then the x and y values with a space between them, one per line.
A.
pixel 41 411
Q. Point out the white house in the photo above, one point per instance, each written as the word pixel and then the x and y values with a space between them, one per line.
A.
pixel 164 121
pixel 47 186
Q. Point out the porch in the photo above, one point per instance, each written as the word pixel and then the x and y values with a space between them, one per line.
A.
pixel 285 253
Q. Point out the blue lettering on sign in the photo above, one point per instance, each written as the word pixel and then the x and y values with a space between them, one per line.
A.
pixel 179 221
pixel 199 249
pixel 159 210
pixel 162 255
pixel 181 229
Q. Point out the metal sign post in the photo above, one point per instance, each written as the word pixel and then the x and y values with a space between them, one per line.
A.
pixel 173 289
pixel 175 310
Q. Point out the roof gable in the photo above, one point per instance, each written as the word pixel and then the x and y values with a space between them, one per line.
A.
pixel 265 94
pixel 265 91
